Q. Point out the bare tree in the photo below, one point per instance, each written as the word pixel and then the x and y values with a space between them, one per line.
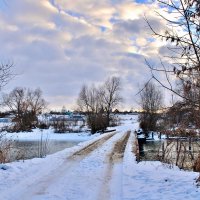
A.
pixel 26 104
pixel 189 109
pixel 6 73
pixel 89 99
pixel 110 95
pixel 98 102
pixel 151 101
pixel 89 102
pixel 183 34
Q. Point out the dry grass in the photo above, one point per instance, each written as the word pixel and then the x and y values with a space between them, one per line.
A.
pixel 5 148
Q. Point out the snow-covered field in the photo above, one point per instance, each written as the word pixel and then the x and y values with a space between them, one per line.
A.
pixel 36 134
pixel 99 169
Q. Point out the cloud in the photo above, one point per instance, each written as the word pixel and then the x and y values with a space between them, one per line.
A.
pixel 59 45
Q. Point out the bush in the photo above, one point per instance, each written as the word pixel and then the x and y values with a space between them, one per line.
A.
pixel 60 126
pixel 5 148
pixel 197 164
pixel 114 121
pixel 97 122
pixel 43 126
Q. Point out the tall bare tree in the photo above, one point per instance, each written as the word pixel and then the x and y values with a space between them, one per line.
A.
pixel 151 101
pixel 110 95
pixel 26 104
pixel 183 35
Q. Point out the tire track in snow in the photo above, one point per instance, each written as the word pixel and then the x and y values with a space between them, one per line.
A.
pixel 128 172
pixel 91 147
pixel 114 158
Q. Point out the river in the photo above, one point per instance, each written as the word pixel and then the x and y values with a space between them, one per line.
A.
pixel 22 150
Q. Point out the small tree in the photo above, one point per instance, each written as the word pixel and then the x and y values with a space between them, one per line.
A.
pixel 26 104
pixel 151 100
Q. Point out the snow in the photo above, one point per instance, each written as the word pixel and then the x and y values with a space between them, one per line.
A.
pixel 154 180
pixel 3 167
pixel 49 134
pixel 93 170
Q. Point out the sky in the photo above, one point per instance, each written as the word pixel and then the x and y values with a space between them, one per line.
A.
pixel 59 45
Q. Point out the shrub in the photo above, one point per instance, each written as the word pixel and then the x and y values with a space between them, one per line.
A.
pixel 5 148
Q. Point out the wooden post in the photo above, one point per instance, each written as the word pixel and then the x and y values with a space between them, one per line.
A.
pixel 163 150
pixel 190 148
pixel 152 135
pixel 137 147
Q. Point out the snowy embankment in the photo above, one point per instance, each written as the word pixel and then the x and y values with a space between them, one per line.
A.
pixel 99 169
pixel 152 180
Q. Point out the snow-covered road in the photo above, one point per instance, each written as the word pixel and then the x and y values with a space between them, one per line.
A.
pixel 92 172
pixel 103 168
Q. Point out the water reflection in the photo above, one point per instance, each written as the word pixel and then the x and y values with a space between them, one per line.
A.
pixel 175 151
pixel 23 150
pixel 149 150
